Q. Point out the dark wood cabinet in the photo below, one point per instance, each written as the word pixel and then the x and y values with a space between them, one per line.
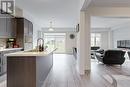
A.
pixel 24 33
pixel 30 28
pixel 28 71
pixel 26 26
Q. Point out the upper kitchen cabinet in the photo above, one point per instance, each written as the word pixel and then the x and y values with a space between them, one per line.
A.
pixel 28 27
pixel 7 26
pixel 11 27
pixel 3 30
pixel 24 35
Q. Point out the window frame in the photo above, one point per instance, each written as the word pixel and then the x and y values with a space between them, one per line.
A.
pixel 94 41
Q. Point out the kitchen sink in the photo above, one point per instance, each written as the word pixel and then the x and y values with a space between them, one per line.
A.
pixel 31 51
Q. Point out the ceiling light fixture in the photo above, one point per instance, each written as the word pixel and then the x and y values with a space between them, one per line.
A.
pixel 50 28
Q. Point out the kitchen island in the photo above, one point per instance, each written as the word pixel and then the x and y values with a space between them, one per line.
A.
pixel 28 68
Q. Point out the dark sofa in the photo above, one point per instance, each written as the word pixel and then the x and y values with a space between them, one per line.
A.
pixel 111 57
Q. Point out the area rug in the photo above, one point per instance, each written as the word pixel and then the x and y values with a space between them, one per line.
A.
pixel 118 80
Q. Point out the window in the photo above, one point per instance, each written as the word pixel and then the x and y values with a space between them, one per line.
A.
pixel 95 39
pixel 55 40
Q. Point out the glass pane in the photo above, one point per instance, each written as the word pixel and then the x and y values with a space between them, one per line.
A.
pixel 55 40
pixel 98 39
pixel 60 44
pixel 95 39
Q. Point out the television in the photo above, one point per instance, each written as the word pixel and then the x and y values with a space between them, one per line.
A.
pixel 123 44
pixel 127 43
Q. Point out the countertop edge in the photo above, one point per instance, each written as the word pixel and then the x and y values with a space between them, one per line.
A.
pixel 23 53
pixel 10 49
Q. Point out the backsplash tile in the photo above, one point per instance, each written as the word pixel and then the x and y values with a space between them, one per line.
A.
pixel 2 42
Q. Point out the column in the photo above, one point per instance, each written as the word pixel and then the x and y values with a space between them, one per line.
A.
pixel 83 44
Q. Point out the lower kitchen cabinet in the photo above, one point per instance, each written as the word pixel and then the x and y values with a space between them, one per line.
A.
pixel 0 69
pixel 1 63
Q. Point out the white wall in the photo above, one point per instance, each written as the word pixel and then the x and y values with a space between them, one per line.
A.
pixel 70 43
pixel 104 40
pixel 18 12
pixel 121 33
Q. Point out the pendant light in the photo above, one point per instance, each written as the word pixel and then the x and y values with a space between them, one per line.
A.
pixel 51 28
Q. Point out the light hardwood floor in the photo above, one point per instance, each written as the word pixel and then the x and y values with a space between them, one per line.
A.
pixel 64 74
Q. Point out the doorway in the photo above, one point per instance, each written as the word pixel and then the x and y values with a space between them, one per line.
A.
pixel 55 40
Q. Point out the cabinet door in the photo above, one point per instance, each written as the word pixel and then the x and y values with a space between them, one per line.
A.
pixel 0 58
pixel 3 31
pixel 1 63
pixel 4 63
pixel 11 27
pixel 8 26
pixel 30 28
pixel 26 27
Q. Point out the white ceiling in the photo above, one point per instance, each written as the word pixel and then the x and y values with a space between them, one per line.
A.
pixel 63 13
pixel 107 22
pixel 110 3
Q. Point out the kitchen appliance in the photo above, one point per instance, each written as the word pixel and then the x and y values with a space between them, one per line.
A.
pixel 10 42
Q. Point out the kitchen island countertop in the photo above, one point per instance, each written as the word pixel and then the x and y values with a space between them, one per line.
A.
pixel 29 53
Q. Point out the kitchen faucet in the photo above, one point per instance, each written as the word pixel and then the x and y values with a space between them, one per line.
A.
pixel 41 46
